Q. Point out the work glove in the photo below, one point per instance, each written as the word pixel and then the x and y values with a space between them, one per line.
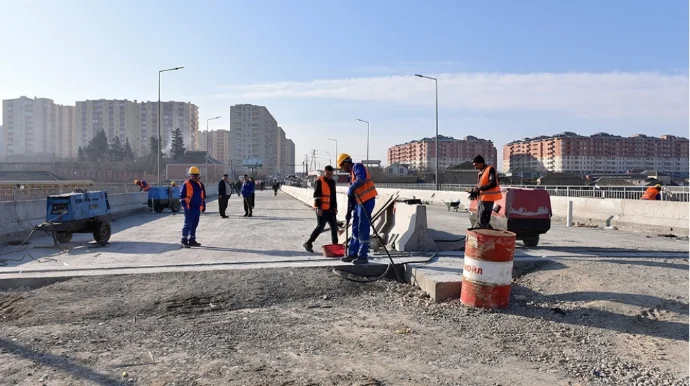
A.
pixel 473 195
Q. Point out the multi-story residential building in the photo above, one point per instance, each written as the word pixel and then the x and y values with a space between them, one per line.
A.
pixel 217 143
pixel 420 154
pixel 255 137
pixel 286 154
pixel 598 153
pixel 35 126
pixel 136 122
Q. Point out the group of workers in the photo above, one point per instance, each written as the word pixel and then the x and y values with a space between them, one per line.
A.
pixel 361 195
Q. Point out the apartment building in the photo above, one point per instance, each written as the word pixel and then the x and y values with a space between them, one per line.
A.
pixel 598 153
pixel 256 138
pixel 217 143
pixel 286 154
pixel 420 154
pixel 136 122
pixel 35 126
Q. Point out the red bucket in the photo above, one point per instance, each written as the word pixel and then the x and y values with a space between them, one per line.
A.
pixel 333 250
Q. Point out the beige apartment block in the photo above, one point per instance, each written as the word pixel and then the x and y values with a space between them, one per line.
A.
pixel 255 135
pixel 136 122
pixel 35 126
pixel 217 143
pixel 601 153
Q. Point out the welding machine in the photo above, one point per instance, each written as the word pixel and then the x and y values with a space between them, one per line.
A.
pixel 77 212
pixel 162 197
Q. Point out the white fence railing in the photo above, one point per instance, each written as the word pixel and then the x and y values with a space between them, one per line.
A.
pixel 673 193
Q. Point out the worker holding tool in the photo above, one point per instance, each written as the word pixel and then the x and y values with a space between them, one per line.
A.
pixel 652 193
pixel 486 190
pixel 361 200
pixel 247 192
pixel 193 200
pixel 224 191
pixel 143 186
pixel 326 208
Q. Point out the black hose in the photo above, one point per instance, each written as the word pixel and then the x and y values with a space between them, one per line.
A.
pixel 390 265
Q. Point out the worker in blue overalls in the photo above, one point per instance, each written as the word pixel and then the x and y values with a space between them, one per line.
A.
pixel 361 200
pixel 193 200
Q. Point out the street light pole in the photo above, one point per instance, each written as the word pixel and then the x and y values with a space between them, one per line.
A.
pixel 158 157
pixel 367 122
pixel 438 182
pixel 207 149
pixel 336 149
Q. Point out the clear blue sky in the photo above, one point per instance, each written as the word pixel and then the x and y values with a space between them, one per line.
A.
pixel 507 69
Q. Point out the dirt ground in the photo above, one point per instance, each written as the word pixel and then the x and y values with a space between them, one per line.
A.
pixel 573 323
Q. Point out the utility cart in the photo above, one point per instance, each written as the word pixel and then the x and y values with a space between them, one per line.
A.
pixel 77 212
pixel 162 197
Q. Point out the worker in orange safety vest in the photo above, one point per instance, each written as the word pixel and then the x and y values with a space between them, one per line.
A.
pixel 326 208
pixel 652 193
pixel 361 200
pixel 487 191
pixel 143 186
pixel 193 200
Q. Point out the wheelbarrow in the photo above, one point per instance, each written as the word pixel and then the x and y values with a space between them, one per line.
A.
pixel 455 205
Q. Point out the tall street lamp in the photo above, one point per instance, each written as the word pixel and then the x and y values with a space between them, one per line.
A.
pixel 207 149
pixel 367 122
pixel 438 183
pixel 330 157
pixel 336 150
pixel 159 119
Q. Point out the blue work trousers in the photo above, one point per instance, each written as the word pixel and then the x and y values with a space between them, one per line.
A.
pixel 361 230
pixel 191 221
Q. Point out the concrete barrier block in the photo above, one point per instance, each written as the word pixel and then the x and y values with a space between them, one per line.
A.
pixel 409 232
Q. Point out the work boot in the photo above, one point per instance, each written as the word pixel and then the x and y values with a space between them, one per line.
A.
pixel 250 215
pixel 360 261
pixel 308 246
pixel 194 243
pixel 348 259
pixel 246 214
pixel 185 243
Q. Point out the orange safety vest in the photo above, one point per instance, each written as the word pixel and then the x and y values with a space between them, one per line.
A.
pixel 493 194
pixel 325 195
pixel 190 190
pixel 650 194
pixel 367 190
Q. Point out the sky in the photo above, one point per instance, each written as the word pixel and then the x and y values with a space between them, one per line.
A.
pixel 506 69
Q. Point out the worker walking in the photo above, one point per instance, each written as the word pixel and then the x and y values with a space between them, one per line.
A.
pixel 193 200
pixel 486 190
pixel 361 200
pixel 143 186
pixel 247 192
pixel 224 191
pixel 652 193
pixel 276 186
pixel 325 206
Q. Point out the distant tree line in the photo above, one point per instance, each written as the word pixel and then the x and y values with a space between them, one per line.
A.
pixel 99 150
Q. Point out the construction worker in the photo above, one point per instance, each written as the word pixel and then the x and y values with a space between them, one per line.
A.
pixel 193 200
pixel 247 192
pixel 361 200
pixel 326 207
pixel 652 193
pixel 143 186
pixel 486 190
pixel 173 184
pixel 276 186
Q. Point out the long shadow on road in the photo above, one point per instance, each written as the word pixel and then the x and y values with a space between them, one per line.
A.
pixel 592 317
pixel 59 363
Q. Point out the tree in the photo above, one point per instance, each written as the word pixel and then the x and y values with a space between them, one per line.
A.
pixel 115 150
pixel 81 154
pixel 153 148
pixel 97 149
pixel 127 152
pixel 177 149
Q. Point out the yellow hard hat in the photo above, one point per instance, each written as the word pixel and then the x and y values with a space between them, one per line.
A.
pixel 342 157
pixel 173 183
pixel 136 182
pixel 194 170
pixel 658 186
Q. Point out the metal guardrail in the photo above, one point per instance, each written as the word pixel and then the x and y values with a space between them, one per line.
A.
pixel 672 193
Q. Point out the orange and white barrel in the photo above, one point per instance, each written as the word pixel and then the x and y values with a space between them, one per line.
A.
pixel 488 268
